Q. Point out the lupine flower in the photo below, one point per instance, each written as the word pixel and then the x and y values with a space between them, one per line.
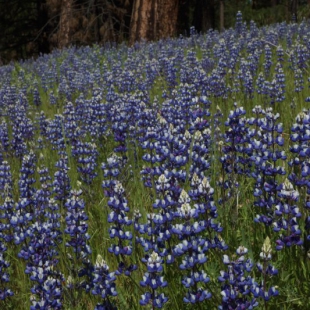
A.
pixel 6 182
pixel 153 280
pixel 200 149
pixel 298 80
pixel 266 152
pixel 120 128
pixel 38 248
pixel 76 225
pixel 301 168
pixel 21 220
pixel 280 83
pixel 154 155
pixel 99 112
pixel 41 264
pixel 26 180
pixel 22 131
pixel 286 216
pixel 103 284
pixel 111 171
pixel 119 220
pixel 267 270
pixel 52 98
pixel 55 133
pixel 302 55
pixel 6 212
pixel 70 124
pixel 159 224
pixel 237 282
pixel 152 228
pixel 280 54
pixel 235 155
pixel 248 84
pixel 5 291
pixel 217 120
pixel 192 248
pixel 36 96
pixel 238 26
pixel 42 196
pixel 4 136
pixel 268 61
pixel 201 193
pixel 86 154
pixel 61 183
pixel 76 229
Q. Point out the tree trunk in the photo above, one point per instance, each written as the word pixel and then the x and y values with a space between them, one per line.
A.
pixel 64 23
pixel 222 15
pixel 141 21
pixel 167 18
pixel 153 19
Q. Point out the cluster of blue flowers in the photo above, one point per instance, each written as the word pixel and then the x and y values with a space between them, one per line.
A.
pixel 239 288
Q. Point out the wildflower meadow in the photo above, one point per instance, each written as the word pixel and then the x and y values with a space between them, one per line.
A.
pixel 171 174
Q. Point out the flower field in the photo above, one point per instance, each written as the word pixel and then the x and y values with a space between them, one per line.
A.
pixel 172 174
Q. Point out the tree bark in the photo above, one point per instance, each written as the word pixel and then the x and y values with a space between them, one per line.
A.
pixel 167 18
pixel 140 25
pixel 64 23
pixel 153 19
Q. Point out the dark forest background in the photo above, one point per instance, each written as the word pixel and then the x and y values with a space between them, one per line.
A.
pixel 31 27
